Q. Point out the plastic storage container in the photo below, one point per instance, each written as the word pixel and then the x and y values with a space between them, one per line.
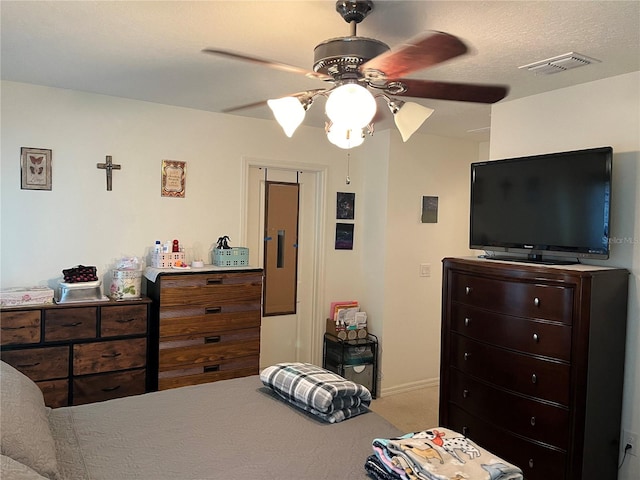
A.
pixel 230 257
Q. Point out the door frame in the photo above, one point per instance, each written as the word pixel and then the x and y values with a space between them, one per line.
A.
pixel 320 174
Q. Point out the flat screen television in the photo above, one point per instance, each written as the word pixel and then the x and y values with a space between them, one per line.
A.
pixel 552 205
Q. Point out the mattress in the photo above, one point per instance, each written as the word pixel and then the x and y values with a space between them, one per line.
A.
pixel 232 429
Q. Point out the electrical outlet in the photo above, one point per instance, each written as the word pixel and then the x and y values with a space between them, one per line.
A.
pixel 630 438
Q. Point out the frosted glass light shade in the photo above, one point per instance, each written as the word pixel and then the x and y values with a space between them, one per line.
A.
pixel 289 113
pixel 409 117
pixel 351 106
pixel 345 138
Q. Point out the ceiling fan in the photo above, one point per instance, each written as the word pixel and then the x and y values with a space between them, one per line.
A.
pixel 356 66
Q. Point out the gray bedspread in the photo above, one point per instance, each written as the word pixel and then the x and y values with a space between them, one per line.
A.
pixel 233 429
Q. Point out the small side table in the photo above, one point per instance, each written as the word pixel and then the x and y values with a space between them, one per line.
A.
pixel 355 360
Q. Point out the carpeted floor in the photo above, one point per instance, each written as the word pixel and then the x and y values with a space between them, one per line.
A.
pixel 411 411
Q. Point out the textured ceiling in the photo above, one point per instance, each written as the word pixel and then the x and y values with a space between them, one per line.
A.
pixel 151 50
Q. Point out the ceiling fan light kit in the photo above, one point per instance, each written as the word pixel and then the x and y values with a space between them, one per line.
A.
pixel 357 64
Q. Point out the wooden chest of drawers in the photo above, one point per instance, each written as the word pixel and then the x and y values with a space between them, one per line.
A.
pixel 79 353
pixel 532 363
pixel 206 326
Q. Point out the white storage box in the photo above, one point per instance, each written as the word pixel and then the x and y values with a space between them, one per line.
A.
pixel 13 297
pixel 166 260
pixel 125 284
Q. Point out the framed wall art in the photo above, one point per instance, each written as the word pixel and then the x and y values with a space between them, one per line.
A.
pixel 429 210
pixel 345 206
pixel 174 178
pixel 344 236
pixel 35 167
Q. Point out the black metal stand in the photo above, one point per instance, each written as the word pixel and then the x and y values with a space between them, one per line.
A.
pixel 355 360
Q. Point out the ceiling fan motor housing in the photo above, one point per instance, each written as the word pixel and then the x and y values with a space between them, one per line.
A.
pixel 340 57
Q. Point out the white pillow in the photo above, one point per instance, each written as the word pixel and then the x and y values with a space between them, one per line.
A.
pixel 11 469
pixel 24 423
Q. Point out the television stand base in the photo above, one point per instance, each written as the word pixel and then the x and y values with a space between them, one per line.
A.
pixel 538 259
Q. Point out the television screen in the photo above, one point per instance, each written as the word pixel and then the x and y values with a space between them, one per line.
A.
pixel 544 205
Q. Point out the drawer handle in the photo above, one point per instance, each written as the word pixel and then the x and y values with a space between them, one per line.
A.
pixel 533 421
pixel 28 365
pixel 467 356
pixel 536 302
pixel 214 281
pixel 531 463
pixel 212 368
pixel 125 320
pixel 14 328
pixel 74 324
pixel 467 321
pixel 111 389
pixel 534 378
pixel 467 290
pixel 215 339
pixel 465 431
pixel 465 393
pixel 210 310
pixel 111 355
pixel 536 338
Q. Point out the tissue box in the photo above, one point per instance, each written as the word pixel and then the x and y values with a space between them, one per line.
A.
pixel 12 297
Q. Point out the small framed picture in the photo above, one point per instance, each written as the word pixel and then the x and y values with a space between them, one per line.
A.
pixel 345 206
pixel 35 166
pixel 174 178
pixel 344 236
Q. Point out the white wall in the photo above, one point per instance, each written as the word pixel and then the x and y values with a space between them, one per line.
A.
pixel 606 112
pixel 79 222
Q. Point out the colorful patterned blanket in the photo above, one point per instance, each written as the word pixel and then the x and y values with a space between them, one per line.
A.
pixel 436 454
pixel 320 392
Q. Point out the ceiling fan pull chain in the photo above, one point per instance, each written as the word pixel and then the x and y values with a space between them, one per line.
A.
pixel 348 179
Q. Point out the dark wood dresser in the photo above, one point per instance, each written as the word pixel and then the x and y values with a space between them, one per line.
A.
pixel 206 325
pixel 532 363
pixel 81 352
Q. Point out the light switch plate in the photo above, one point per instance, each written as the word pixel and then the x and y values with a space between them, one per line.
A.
pixel 425 269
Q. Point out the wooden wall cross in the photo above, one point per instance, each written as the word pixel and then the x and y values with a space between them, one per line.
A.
pixel 109 166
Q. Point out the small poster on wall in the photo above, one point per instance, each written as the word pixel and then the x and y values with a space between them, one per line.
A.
pixel 429 209
pixel 174 178
pixel 345 206
pixel 344 236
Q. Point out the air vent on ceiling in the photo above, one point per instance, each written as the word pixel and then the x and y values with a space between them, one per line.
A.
pixel 559 64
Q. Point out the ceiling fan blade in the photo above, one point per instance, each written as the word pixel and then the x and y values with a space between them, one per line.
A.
pixel 306 93
pixel 461 92
pixel 268 63
pixel 419 53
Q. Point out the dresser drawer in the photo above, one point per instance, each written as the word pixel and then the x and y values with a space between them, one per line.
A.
pixel 531 336
pixel 40 363
pixel 70 323
pixel 212 290
pixel 21 327
pixel 209 351
pixel 123 320
pixel 534 300
pixel 199 321
pixel 97 388
pixel 55 392
pixel 536 377
pixel 109 355
pixel 533 419
pixel 536 461
pixel 224 370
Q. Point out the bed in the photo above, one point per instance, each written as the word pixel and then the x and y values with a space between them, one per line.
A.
pixel 232 429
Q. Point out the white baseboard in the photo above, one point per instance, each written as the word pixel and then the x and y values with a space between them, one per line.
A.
pixel 407 387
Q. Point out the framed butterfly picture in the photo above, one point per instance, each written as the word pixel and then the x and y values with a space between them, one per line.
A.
pixel 35 165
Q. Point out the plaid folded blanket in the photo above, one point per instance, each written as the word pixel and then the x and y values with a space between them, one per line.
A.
pixel 325 394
